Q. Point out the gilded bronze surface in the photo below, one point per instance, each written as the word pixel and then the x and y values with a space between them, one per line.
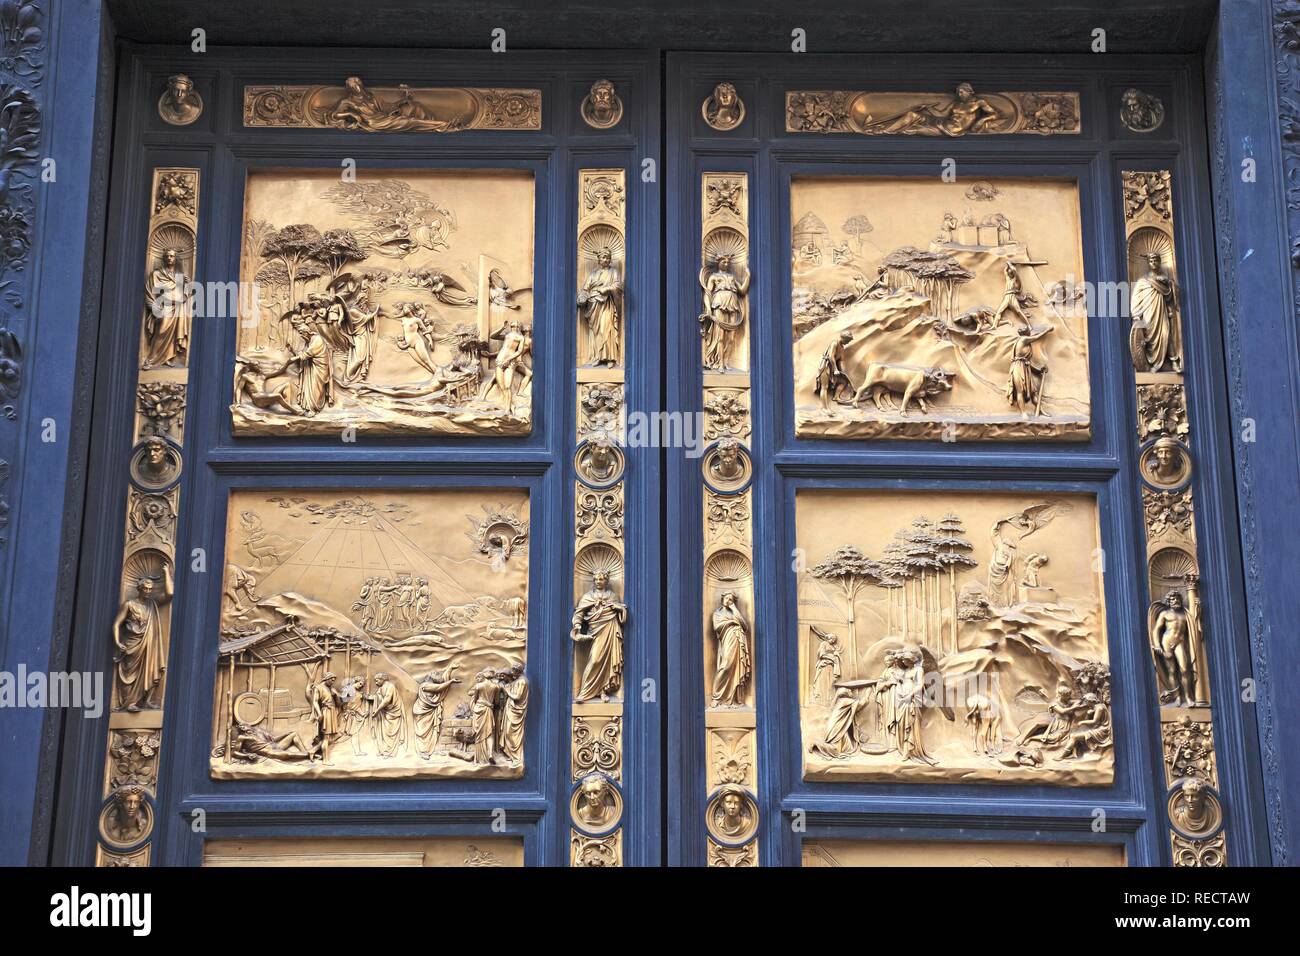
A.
pixel 373 634
pixel 962 112
pixel 317 852
pixel 952 637
pixel 895 853
pixel 142 623
pixel 922 309
pixel 601 620
pixel 398 302
pixel 354 106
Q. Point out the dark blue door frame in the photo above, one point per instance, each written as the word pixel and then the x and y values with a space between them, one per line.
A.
pixel 51 760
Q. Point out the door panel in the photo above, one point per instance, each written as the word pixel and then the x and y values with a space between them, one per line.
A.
pixel 957 549
pixel 367 494
pixel 943 498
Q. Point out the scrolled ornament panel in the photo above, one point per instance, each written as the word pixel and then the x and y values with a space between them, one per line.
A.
pixel 600 616
pixel 1175 623
pixel 142 626
pixel 728 611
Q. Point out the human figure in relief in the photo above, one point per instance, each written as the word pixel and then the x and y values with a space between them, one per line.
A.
pixel 598 622
pixel 734 664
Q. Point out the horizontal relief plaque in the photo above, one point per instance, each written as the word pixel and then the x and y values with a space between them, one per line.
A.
pixel 373 634
pixel 950 311
pixel 394 303
pixel 364 851
pixel 829 853
pixel 952 637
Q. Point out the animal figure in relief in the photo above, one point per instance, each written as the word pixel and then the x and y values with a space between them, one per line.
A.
pixel 913 382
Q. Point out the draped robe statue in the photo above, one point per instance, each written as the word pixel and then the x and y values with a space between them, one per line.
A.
pixel 1156 340
pixel 514 712
pixel 733 667
pixel 315 375
pixel 427 712
pixel 389 715
pixel 601 304
pixel 724 311
pixel 141 644
pixel 167 323
pixel 598 621
pixel 482 710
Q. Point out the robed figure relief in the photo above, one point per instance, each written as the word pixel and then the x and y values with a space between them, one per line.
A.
pixel 398 304
pixel 387 630
pixel 600 303
pixel 941 648
pixel 389 714
pixel 598 622
pixel 734 665
pixel 1005 568
pixel 725 284
pixel 141 642
pixel 970 334
pixel 168 313
pixel 427 710
pixel 1156 339
pixel 514 713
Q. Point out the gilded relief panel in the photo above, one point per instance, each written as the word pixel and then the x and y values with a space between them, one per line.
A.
pixel 831 853
pixel 394 303
pixel 364 851
pixel 373 634
pixel 952 637
pixel 924 309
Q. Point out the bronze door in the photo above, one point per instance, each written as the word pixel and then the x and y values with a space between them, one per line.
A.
pixel 937 592
pixel 382 581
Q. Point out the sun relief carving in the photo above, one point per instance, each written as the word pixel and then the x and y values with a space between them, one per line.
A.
pixel 360 639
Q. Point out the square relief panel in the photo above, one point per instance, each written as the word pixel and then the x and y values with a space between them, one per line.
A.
pixel 932 310
pixel 952 637
pixel 398 302
pixel 373 633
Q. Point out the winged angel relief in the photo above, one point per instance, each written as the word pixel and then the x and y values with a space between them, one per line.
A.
pixel 379 306
pixel 942 654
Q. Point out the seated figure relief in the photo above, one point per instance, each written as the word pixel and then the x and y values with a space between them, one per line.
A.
pixel 964 645
pixel 969 332
pixel 393 305
pixel 373 634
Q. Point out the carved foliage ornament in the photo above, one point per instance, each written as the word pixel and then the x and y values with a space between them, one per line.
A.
pixel 354 106
pixel 1167 511
pixel 1162 410
pixel 962 112
pixel 1142 189
pixel 161 406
